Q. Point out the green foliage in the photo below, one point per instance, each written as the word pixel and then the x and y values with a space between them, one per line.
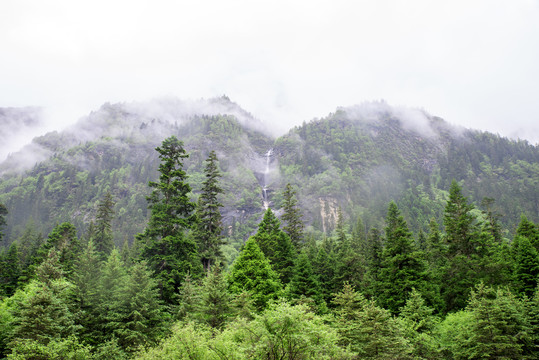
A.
pixel 252 272
pixel 292 217
pixel 169 201
pixel 402 266
pixel 284 331
pixel 499 328
pixel 304 283
pixel 454 333
pixel 458 222
pixel 63 239
pixel 10 270
pixel 368 330
pixel 208 229
pixel 276 246
pixel 215 305
pixel 43 312
pixel 529 230
pixel 169 253
pixel 102 236
pixel 419 324
pixel 526 266
pixel 68 349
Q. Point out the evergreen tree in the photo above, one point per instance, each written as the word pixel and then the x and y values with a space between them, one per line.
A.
pixel 209 227
pixel 368 330
pixel 252 272
pixel 85 277
pixel 304 282
pixel 419 324
pixel 526 266
pixel 292 217
pixel 359 236
pixel 459 222
pixel 143 319
pixel 403 267
pixel 491 224
pixel 373 262
pixel 216 306
pixel 102 234
pixel 499 328
pixel 325 268
pixel 190 299
pixel 111 290
pixel 29 246
pixel 528 229
pixel 276 246
pixel 169 253
pixel 462 270
pixel 63 238
pixel 43 312
pixel 10 270
pixel 351 265
pixel 435 249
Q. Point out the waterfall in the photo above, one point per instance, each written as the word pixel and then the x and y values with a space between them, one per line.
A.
pixel 268 155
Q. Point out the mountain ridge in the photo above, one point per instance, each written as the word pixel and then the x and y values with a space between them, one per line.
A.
pixel 357 159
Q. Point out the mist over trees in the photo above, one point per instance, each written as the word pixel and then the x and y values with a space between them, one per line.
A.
pixel 379 242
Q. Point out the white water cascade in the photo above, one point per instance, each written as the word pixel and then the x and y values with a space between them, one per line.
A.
pixel 265 184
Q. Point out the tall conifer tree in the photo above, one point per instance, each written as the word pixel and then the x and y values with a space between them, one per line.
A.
pixel 252 272
pixel 293 225
pixel 209 227
pixel 170 254
pixel 276 246
pixel 102 232
pixel 403 267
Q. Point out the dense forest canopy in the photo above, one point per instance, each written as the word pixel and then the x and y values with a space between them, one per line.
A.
pixel 380 233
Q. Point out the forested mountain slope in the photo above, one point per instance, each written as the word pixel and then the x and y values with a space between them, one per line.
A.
pixel 362 157
pixel 357 159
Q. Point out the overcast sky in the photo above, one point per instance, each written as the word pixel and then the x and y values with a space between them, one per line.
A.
pixel 474 63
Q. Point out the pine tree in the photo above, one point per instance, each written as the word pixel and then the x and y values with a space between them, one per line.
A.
pixel 102 236
pixel 526 266
pixel 252 272
pixel 368 330
pixel 10 270
pixel 216 305
pixel 292 217
pixel 276 246
pixel 491 225
pixel 63 238
pixel 419 323
pixel 403 267
pixel 459 222
pixel 304 282
pixel 190 299
pixel 500 329
pixel 373 262
pixel 359 236
pixel 85 277
pixel 169 253
pixel 44 310
pixel 209 227
pixel 325 268
pixel 528 229
pixel 142 313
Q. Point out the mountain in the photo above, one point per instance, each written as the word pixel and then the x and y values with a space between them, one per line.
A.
pixel 362 157
pixel 357 159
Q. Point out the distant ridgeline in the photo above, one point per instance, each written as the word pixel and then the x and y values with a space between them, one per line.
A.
pixel 357 160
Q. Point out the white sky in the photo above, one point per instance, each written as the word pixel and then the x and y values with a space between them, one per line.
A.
pixel 474 63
